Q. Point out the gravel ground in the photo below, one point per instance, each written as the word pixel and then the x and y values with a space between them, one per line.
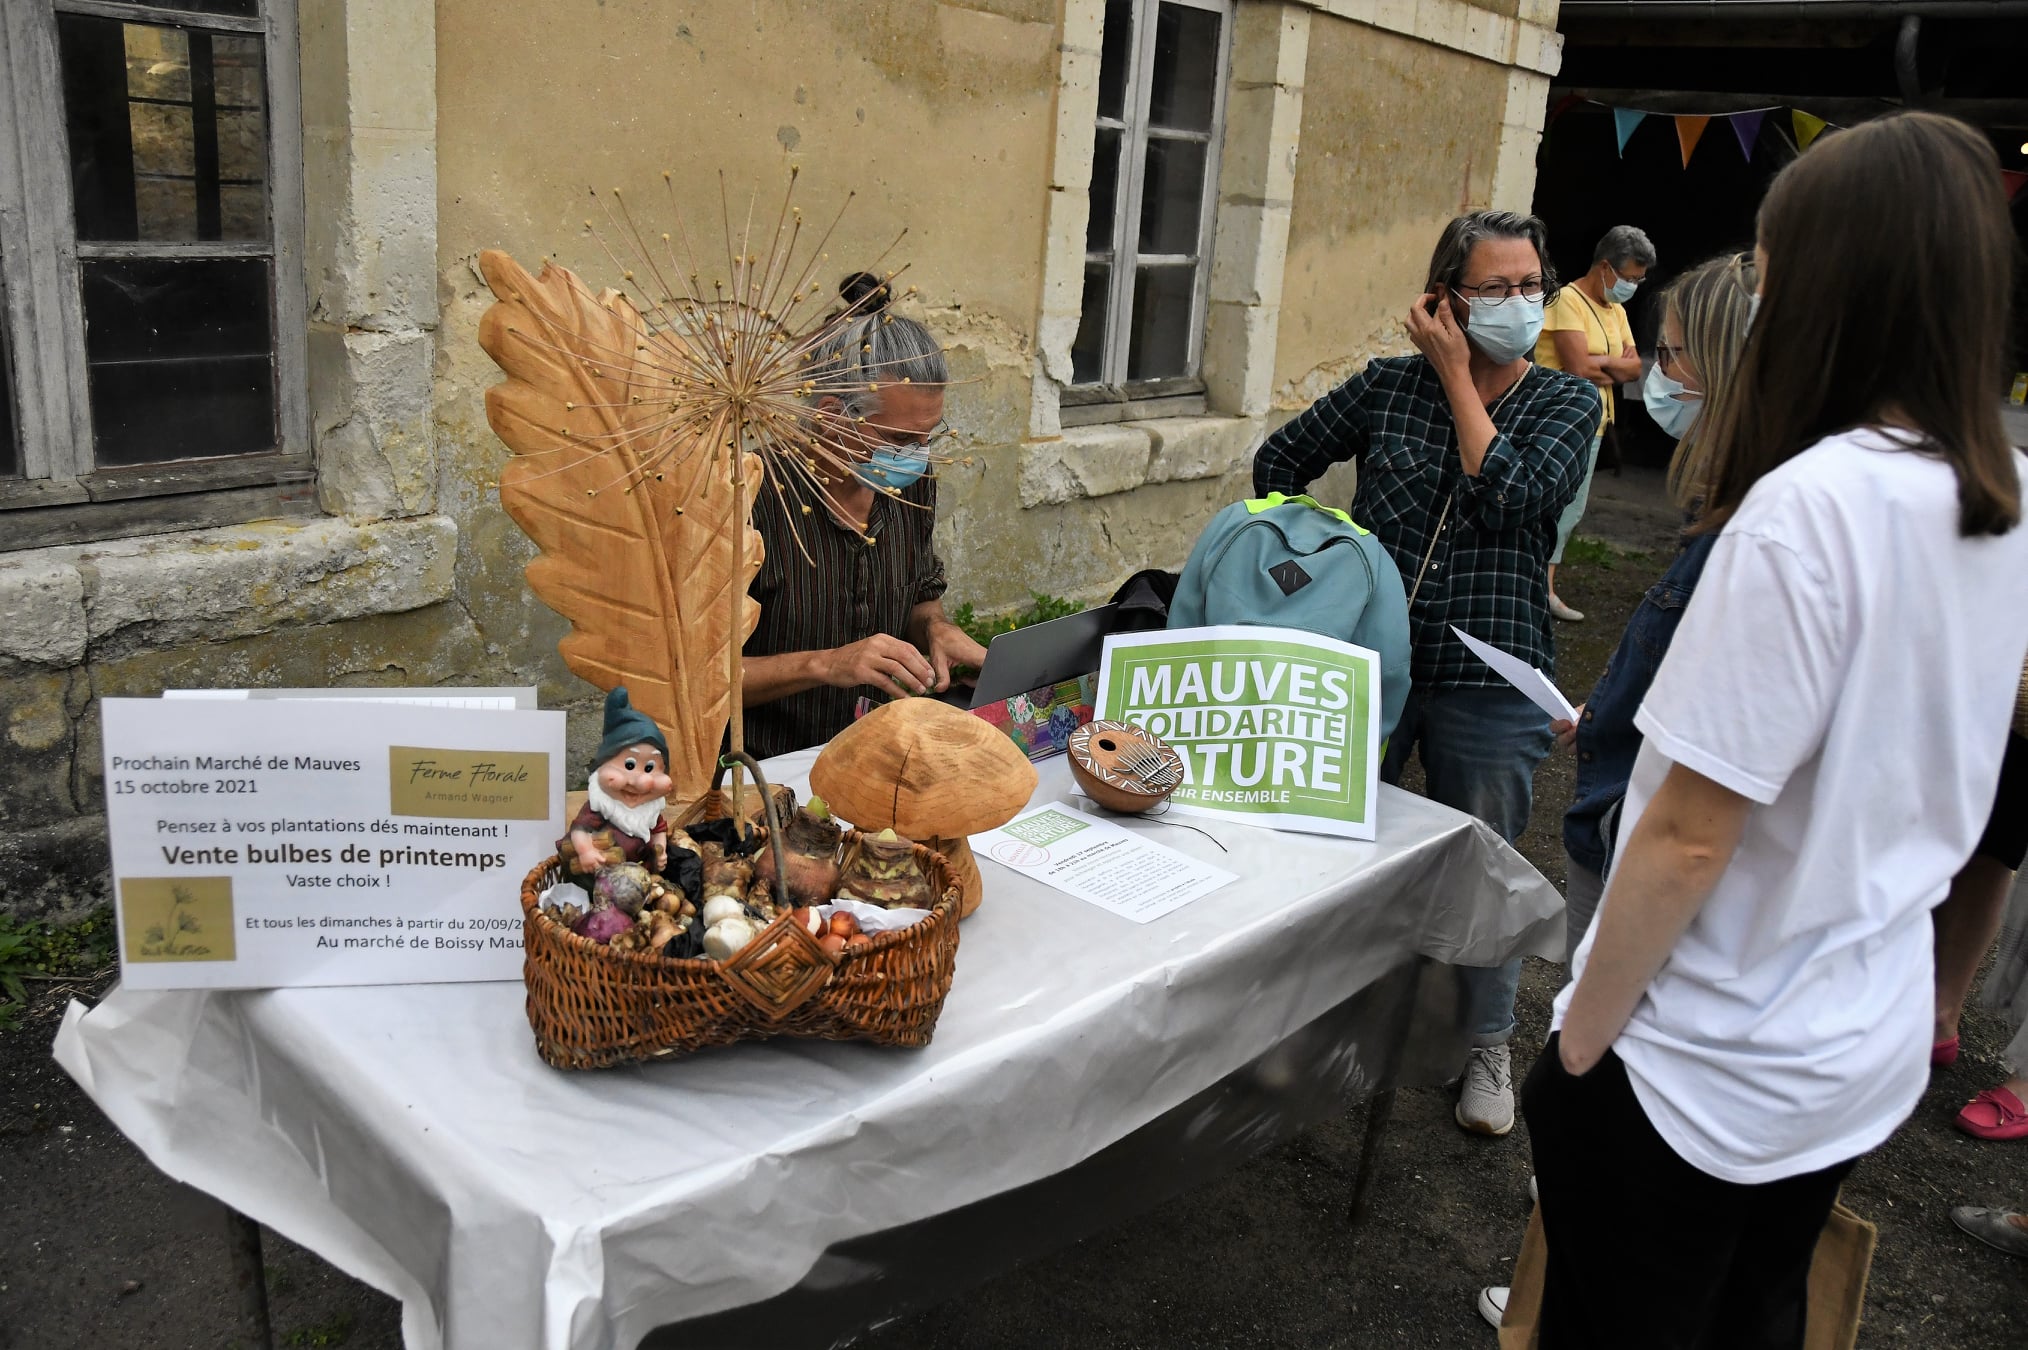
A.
pixel 100 1251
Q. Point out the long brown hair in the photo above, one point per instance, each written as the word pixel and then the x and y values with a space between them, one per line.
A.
pixel 1890 264
pixel 1711 303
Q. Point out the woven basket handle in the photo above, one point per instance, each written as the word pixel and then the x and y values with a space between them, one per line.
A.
pixel 752 766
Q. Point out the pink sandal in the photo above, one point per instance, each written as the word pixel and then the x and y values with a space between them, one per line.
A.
pixel 1943 1054
pixel 1994 1114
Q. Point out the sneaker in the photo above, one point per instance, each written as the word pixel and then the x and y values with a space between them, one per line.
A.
pixel 1486 1104
pixel 1994 1227
pixel 1493 1303
pixel 1563 611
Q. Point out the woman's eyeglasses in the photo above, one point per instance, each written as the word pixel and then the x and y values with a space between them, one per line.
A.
pixel 1498 291
pixel 1667 357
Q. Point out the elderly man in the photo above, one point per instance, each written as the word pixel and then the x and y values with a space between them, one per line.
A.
pixel 1586 332
pixel 1467 453
pixel 863 613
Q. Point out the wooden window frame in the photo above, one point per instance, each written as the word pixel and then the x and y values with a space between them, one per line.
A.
pixel 1113 397
pixel 60 495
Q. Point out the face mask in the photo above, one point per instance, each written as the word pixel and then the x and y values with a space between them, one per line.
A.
pixel 891 467
pixel 1673 414
pixel 1621 290
pixel 1505 329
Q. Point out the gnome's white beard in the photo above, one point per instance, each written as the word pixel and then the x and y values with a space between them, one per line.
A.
pixel 638 821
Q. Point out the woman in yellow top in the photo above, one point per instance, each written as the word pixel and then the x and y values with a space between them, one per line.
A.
pixel 1586 333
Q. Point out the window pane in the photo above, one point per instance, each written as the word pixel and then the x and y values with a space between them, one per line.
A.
pixel 245 9
pixel 1172 196
pixel 181 358
pixel 10 454
pixel 1087 353
pixel 1116 54
pixel 1185 78
pixel 1105 191
pixel 1161 323
pixel 167 131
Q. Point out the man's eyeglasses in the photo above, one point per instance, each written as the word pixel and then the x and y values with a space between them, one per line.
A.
pixel 1499 291
pixel 940 434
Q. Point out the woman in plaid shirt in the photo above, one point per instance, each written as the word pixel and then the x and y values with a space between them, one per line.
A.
pixel 1467 454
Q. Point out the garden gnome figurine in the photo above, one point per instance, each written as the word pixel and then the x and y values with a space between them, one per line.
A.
pixel 621 820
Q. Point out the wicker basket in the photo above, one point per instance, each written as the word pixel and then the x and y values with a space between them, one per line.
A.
pixel 592 1007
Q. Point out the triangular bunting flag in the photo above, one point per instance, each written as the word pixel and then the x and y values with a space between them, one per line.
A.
pixel 1689 130
pixel 1808 128
pixel 2015 181
pixel 1624 122
pixel 1746 127
pixel 1563 105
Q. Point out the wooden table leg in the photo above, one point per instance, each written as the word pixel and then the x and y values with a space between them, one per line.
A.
pixel 250 1282
pixel 1380 1107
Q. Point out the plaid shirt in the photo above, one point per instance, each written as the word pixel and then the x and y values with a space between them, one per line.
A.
pixel 1488 573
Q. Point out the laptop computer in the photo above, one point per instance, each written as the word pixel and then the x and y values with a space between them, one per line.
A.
pixel 1043 654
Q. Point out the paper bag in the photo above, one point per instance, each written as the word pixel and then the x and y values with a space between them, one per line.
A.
pixel 1837 1284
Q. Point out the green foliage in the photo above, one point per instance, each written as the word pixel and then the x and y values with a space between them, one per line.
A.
pixel 67 951
pixel 337 1331
pixel 1583 551
pixel 1041 609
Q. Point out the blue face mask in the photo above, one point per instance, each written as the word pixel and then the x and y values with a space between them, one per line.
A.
pixel 1505 329
pixel 1673 406
pixel 1621 290
pixel 892 467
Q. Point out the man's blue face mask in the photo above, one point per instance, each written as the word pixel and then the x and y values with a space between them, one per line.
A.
pixel 892 466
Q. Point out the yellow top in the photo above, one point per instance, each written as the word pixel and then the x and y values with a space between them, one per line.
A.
pixel 1605 328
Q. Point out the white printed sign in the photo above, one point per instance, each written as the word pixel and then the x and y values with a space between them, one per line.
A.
pixel 259 843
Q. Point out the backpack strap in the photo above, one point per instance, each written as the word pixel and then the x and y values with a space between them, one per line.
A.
pixel 1256 505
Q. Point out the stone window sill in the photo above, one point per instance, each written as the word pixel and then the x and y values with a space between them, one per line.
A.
pixel 59 605
pixel 1099 461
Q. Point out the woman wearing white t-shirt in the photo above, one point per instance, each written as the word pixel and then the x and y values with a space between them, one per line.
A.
pixel 1751 1009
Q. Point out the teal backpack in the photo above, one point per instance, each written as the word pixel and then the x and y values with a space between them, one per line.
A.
pixel 1287 562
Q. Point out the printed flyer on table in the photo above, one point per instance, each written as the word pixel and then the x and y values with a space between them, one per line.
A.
pixel 261 844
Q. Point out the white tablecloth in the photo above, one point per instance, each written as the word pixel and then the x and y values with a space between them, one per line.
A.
pixel 410 1135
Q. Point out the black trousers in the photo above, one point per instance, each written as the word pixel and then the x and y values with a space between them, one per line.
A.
pixel 1645 1249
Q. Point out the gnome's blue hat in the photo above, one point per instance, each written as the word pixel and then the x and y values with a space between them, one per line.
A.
pixel 625 727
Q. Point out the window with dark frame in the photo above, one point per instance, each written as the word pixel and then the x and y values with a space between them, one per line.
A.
pixel 1153 189
pixel 173 381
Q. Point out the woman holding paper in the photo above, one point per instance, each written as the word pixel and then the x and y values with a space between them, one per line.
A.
pixel 1703 329
pixel 1751 1010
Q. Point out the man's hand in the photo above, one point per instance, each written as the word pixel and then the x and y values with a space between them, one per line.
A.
pixel 949 645
pixel 1566 732
pixel 883 661
pixel 1438 336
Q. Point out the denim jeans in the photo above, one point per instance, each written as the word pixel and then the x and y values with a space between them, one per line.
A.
pixel 1479 749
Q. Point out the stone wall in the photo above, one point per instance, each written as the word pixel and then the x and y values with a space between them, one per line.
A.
pixel 1354 129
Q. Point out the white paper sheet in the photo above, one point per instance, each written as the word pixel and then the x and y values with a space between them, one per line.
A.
pixel 1541 690
pixel 1099 862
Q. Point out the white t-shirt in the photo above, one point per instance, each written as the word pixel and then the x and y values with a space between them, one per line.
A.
pixel 1849 663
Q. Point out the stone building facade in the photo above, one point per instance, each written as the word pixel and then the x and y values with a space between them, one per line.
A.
pixel 1346 132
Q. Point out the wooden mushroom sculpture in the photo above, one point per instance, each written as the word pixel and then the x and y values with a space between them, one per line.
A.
pixel 931 772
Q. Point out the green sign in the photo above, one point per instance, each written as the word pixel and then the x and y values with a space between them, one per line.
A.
pixel 1276 727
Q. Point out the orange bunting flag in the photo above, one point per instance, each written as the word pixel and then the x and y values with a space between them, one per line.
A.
pixel 1688 132
pixel 1808 128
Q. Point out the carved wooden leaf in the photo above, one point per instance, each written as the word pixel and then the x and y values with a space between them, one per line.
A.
pixel 643 576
